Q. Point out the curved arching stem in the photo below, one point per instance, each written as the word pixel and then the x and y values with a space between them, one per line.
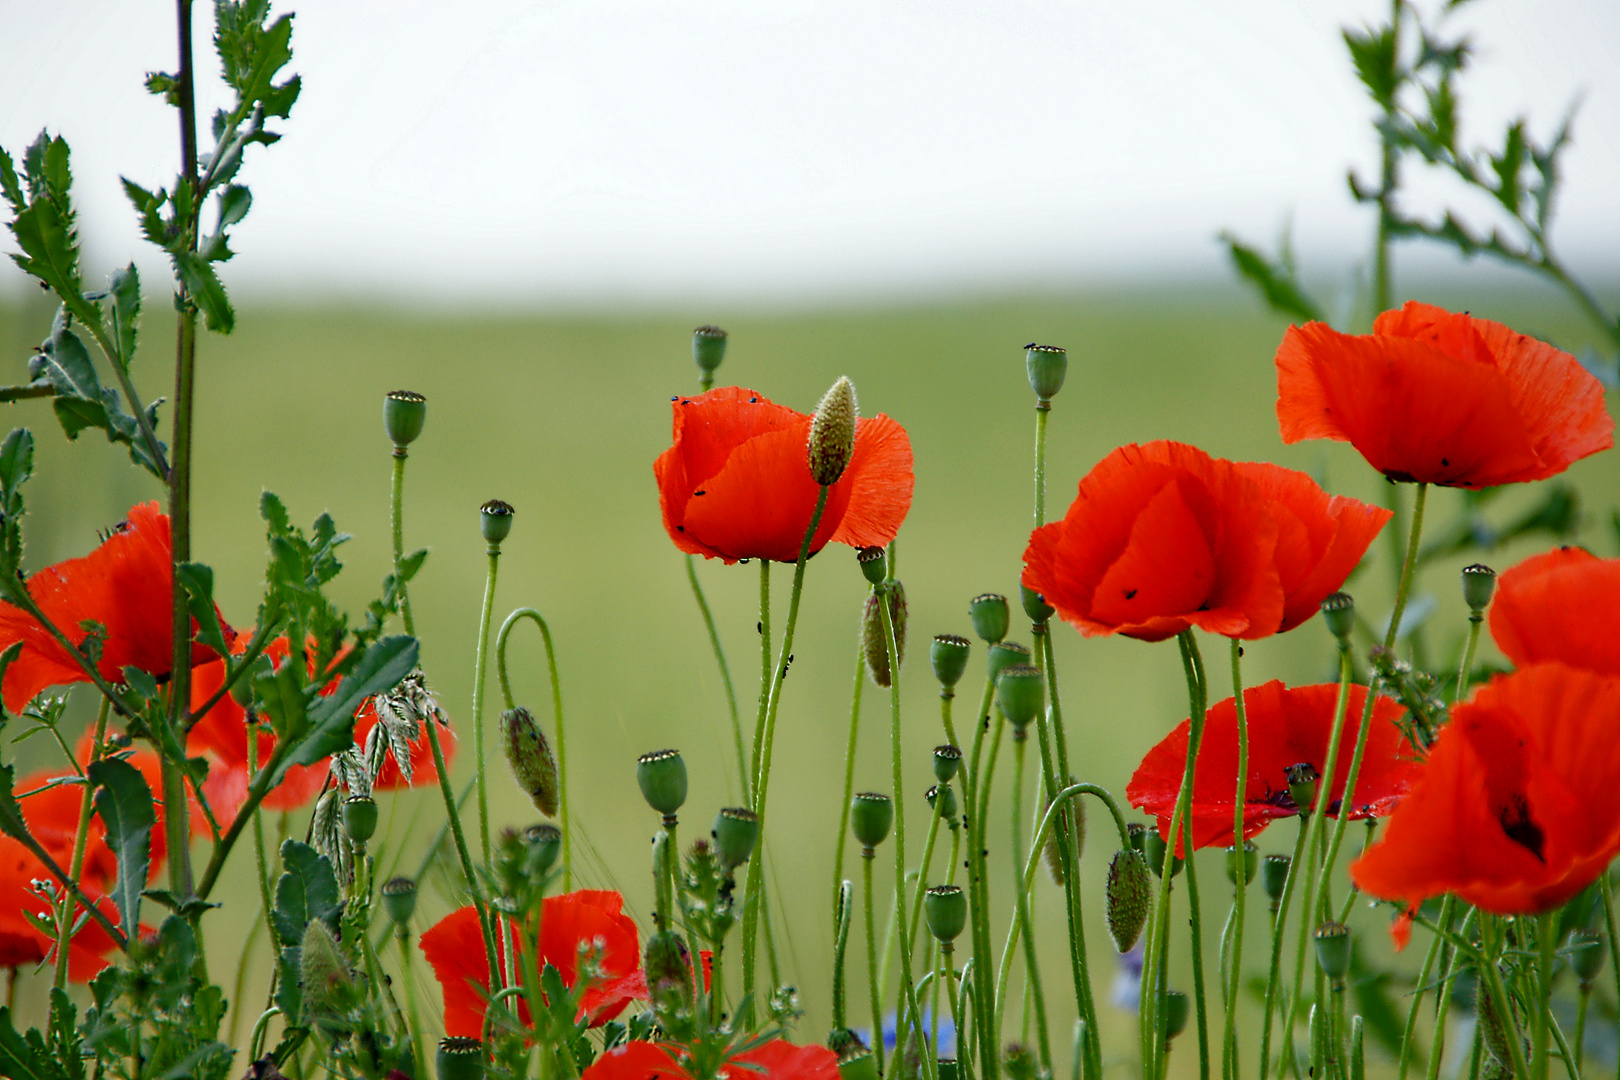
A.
pixel 556 717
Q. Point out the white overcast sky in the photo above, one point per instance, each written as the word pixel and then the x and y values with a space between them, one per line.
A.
pixel 566 151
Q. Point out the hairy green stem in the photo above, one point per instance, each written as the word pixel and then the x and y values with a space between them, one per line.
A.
pixel 396 506
pixel 743 777
pixel 1279 923
pixel 1229 1042
pixel 1422 986
pixel 81 834
pixel 479 761
pixel 978 890
pixel 841 920
pixel 849 781
pixel 872 991
pixel 556 717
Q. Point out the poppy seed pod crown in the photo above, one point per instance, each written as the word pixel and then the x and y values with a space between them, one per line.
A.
pixel 544 844
pixel 1005 654
pixel 947 760
pixel 946 909
pixel 399 899
pixel 460 1058
pixel 662 777
pixel 832 433
pixel 874 564
pixel 360 818
pixel 1339 612
pixel 1478 583
pixel 735 833
pixel 1021 693
pixel 1274 875
pixel 944 792
pixel 1250 858
pixel 949 655
pixel 870 816
pixel 1047 366
pixel 1038 610
pixel 1333 950
pixel 708 349
pixel 989 614
pixel 404 413
pixel 495 521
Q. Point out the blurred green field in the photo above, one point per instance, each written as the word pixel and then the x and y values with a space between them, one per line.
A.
pixel 562 416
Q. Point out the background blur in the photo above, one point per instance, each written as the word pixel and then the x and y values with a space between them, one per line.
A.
pixel 521 210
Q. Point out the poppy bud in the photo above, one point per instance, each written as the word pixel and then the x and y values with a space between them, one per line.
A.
pixel 542 843
pixel 947 761
pixel 857 1064
pixel 1496 1029
pixel 950 656
pixel 832 433
pixel 1058 836
pixel 1004 654
pixel 842 1041
pixel 946 909
pixel 948 793
pixel 1137 833
pixel 874 564
pixel 1129 893
pixel 325 978
pixel 1035 605
pixel 1019 1061
pixel 1478 582
pixel 989 614
pixel 870 815
pixel 708 349
pixel 1251 862
pixel 360 818
pixel 1047 365
pixel 1156 849
pixel 460 1058
pixel 667 965
pixel 1333 950
pixel 662 776
pixel 735 833
pixel 1175 1014
pixel 404 413
pixel 1339 612
pixel 1021 693
pixel 1302 778
pixel 1274 877
pixel 495 521
pixel 529 755
pixel 1585 950
pixel 399 900
pixel 874 640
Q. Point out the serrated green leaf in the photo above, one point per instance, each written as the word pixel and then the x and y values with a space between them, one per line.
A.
pixel 22 1059
pixel 205 290
pixel 124 804
pixel 198 581
pixel 234 203
pixel 410 564
pixel 380 669
pixel 308 889
pixel 125 293
pixel 274 514
pixel 1276 281
pixel 16 465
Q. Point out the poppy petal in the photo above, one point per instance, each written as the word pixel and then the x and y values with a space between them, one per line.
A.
pixel 880 482
pixel 1560 605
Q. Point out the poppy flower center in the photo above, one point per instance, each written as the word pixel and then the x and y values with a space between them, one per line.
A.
pixel 1514 816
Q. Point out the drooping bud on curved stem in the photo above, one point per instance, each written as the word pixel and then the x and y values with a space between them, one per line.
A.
pixel 529 754
pixel 874 639
pixel 832 433
pixel 1129 894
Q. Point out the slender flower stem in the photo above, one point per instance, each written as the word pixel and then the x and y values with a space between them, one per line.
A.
pixel 1040 462
pixel 841 919
pixel 849 782
pixel 743 776
pixel 925 865
pixel 260 862
pixel 396 504
pixel 478 699
pixel 409 978
pixel 1612 933
pixel 1547 935
pixel 978 890
pixel 1229 1045
pixel 1447 906
pixel 1579 1042
pixel 1296 871
pixel 1442 997
pixel 556 717
pixel 65 915
pixel 1466 669
pixel 1032 975
pixel 872 991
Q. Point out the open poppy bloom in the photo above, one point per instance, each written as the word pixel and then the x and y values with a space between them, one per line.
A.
pixel 1518 808
pixel 123 585
pixel 21 941
pixel 454 947
pixel 735 483
pixel 1286 727
pixel 1560 605
pixel 775 1060
pixel 1438 398
pixel 1162 537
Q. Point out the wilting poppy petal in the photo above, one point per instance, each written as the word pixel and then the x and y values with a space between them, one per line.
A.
pixel 1442 398
pixel 1518 808
pixel 1561 605
pixel 1286 727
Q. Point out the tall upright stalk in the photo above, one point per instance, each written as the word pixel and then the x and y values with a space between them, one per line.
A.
pixel 743 777
pixel 65 918
pixel 396 507
pixel 1229 1042
pixel 849 781
pixel 479 762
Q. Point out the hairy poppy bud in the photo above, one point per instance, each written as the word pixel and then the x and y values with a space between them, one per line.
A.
pixel 1157 848
pixel 529 755
pixel 1585 948
pixel 1019 1061
pixel 1478 582
pixel 857 1064
pixel 399 900
pixel 946 909
pixel 1035 606
pixel 327 982
pixel 404 413
pixel 874 564
pixel 989 614
pixel 1175 1014
pixel 1003 655
pixel 708 349
pixel 1250 856
pixel 542 845
pixel 360 818
pixel 1302 778
pixel 1047 365
pixel 947 760
pixel 948 793
pixel 668 966
pixel 1021 693
pixel 870 816
pixel 949 656
pixel 832 433
pixel 1129 893
pixel 1339 612
pixel 460 1058
pixel 874 640
pixel 662 777
pixel 495 521
pixel 735 833
pixel 1333 950
pixel 1274 877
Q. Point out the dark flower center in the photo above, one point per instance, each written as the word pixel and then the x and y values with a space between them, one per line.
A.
pixel 1515 820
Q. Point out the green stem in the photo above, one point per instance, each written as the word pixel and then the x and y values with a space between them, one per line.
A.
pixel 1466 669
pixel 1042 408
pixel 1504 1007
pixel 1579 1047
pixel 872 992
pixel 1607 891
pixel 556 719
pixel 1032 975
pixel 841 919
pixel 409 978
pixel 1422 988
pixel 396 505
pixel 926 864
pixel 978 890
pixel 1279 923
pixel 849 781
pixel 261 863
pixel 65 915
pixel 478 699
pixel 725 674
pixel 1442 997
pixel 1547 935
pixel 1229 1043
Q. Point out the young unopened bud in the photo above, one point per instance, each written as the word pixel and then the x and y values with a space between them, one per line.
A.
pixel 1019 1061
pixel 947 812
pixel 1249 855
pixel 949 656
pixel 735 833
pixel 1274 877
pixel 662 777
pixel 708 349
pixel 947 761
pixel 946 909
pixel 1058 837
pixel 832 433
pixel 870 816
pixel 1495 1028
pixel 399 900
pixel 875 640
pixel 1585 950
pixel 1129 893
pixel 460 1058
pixel 1157 849
pixel 1047 365
pixel 542 845
pixel 989 614
pixel 1175 1014
pixel 1333 950
pixel 1035 605
pixel 495 521
pixel 1339 612
pixel 529 754
pixel 1005 654
pixel 1478 583
pixel 404 413
pixel 1302 778
pixel 668 967
pixel 327 982
pixel 1021 693
pixel 874 564
pixel 360 818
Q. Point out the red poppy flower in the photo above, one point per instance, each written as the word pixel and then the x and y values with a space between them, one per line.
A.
pixel 1560 605
pixel 21 942
pixel 123 585
pixel 1286 727
pixel 735 483
pixel 1439 398
pixel 775 1060
pixel 1518 808
pixel 454 947
pixel 1162 537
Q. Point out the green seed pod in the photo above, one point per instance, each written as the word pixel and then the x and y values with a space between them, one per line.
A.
pixel 736 831
pixel 948 793
pixel 1019 1062
pixel 1175 1014
pixel 328 984
pixel 1251 862
pixel 870 816
pixel 528 753
pixel 1035 605
pixel 404 413
pixel 460 1058
pixel 857 1065
pixel 1058 836
pixel 1137 832
pixel 948 1069
pixel 1495 1028
pixel 1478 583
pixel 947 760
pixel 360 818
pixel 495 521
pixel 542 845
pixel 989 614
pixel 946 909
pixel 668 967
pixel 874 564
pixel 1339 612
pixel 1129 894
pixel 662 776
pixel 950 656
pixel 874 640
pixel 399 900
pixel 1021 693
pixel 843 1041
pixel 832 433
pixel 1047 365
pixel 1274 876
pixel 708 349
pixel 1156 849
pixel 1302 778
pixel 1585 948
pixel 1004 654
pixel 1333 950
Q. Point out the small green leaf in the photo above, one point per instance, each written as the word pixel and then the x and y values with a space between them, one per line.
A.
pixel 124 804
pixel 206 291
pixel 198 581
pixel 308 889
pixel 125 292
pixel 410 564
pixel 1276 281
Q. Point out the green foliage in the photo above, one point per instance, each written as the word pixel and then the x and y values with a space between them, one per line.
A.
pixel 54 1055
pixel 43 219
pixel 1277 280
pixel 124 804
pixel 83 402
pixel 308 889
